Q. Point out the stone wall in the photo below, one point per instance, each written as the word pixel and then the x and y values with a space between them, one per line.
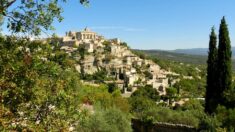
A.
pixel 139 126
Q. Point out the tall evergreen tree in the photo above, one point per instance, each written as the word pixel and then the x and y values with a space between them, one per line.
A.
pixel 211 74
pixel 224 64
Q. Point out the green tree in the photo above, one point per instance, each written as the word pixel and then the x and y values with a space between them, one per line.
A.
pixel 227 117
pixel 147 91
pixel 112 87
pixel 110 120
pixel 140 104
pixel 211 105
pixel 32 16
pixel 171 93
pixel 37 85
pixel 224 64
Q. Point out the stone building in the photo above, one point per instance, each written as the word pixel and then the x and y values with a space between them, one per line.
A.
pixel 126 68
pixel 75 38
pixel 86 34
pixel 90 40
pixel 87 65
pixel 115 40
pixel 89 47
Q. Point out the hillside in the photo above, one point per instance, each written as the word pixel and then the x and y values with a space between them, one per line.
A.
pixel 108 61
pixel 103 77
pixel 57 77
pixel 109 84
pixel 193 51
pixel 197 51
pixel 181 57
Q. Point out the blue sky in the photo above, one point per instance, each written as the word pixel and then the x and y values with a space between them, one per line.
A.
pixel 151 24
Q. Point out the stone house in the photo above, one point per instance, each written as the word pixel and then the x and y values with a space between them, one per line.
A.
pixel 88 65
pixel 75 38
pixel 120 63
pixel 68 49
pixel 120 84
pixel 131 78
pixel 115 40
pixel 138 63
pixel 89 47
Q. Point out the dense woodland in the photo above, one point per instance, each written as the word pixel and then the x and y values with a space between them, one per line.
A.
pixel 41 90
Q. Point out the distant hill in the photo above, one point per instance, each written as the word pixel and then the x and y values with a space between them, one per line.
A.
pixel 194 51
pixel 191 58
pixel 179 57
pixel 197 51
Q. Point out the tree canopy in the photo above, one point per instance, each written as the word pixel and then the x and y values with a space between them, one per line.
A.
pixel 32 16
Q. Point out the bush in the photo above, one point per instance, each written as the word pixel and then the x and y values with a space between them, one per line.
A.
pixel 164 114
pixel 112 87
pixel 209 123
pixel 227 117
pixel 129 89
pixel 111 120
pixel 148 91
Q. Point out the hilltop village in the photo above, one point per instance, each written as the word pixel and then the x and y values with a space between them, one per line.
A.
pixel 128 71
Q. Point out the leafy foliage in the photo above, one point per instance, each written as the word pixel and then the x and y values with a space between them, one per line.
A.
pixel 227 117
pixel 111 120
pixel 148 91
pixel 147 110
pixel 41 90
pixel 32 16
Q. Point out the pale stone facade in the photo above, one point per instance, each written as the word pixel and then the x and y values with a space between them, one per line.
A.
pixel 86 34
pixel 75 38
pixel 126 68
pixel 88 66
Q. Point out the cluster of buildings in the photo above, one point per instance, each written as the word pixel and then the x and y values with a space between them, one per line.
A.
pixel 86 38
pixel 127 69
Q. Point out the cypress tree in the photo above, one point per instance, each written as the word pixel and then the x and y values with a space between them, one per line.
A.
pixel 211 87
pixel 224 64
